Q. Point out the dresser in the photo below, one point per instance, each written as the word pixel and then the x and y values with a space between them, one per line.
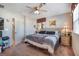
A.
pixel 66 39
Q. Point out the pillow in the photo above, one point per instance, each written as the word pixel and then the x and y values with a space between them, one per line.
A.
pixel 50 32
pixel 42 32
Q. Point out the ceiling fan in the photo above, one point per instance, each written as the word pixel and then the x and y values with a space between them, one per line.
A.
pixel 37 9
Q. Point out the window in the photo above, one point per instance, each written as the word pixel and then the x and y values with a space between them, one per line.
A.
pixel 76 20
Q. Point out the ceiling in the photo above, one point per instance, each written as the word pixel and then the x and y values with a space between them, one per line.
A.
pixel 52 8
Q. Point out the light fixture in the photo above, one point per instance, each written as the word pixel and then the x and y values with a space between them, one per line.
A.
pixel 36 12
pixel 66 29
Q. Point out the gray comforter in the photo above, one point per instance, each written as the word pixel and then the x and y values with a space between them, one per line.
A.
pixel 43 39
pixel 39 38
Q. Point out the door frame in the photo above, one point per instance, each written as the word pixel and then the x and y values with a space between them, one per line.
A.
pixel 13 32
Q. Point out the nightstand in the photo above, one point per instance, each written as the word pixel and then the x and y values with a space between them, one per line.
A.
pixel 66 39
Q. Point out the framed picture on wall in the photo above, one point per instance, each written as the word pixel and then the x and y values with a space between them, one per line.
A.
pixel 52 22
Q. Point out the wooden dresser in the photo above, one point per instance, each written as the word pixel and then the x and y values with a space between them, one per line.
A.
pixel 66 39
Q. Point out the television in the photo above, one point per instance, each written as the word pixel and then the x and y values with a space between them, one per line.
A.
pixel 1 23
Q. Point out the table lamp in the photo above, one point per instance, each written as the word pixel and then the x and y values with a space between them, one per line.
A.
pixel 66 29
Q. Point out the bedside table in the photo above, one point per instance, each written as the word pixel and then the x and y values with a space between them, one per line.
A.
pixel 66 39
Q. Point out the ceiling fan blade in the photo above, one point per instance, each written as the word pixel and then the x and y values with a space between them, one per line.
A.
pixel 41 4
pixel 29 7
pixel 44 10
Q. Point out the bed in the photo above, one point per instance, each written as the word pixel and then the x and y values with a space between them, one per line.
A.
pixel 44 39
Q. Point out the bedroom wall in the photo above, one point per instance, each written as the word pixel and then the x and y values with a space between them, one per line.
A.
pixel 29 25
pixel 75 43
pixel 19 25
pixel 60 20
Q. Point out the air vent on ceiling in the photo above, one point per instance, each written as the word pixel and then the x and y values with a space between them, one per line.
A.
pixel 1 6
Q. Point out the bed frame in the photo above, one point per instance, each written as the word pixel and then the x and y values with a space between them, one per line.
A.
pixel 44 46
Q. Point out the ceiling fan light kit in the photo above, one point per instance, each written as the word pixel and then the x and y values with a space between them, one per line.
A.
pixel 36 12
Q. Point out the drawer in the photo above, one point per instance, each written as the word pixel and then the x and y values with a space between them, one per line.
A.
pixel 65 41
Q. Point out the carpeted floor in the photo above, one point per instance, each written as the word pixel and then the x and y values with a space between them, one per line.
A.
pixel 30 50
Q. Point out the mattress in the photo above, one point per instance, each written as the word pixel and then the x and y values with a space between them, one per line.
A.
pixel 43 41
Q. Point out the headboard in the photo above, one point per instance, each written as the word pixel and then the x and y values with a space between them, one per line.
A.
pixel 50 31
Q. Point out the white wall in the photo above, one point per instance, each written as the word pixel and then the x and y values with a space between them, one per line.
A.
pixel 19 24
pixel 60 20
pixel 30 22
pixel 75 43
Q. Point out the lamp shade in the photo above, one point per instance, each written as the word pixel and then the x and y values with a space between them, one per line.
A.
pixel 66 28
